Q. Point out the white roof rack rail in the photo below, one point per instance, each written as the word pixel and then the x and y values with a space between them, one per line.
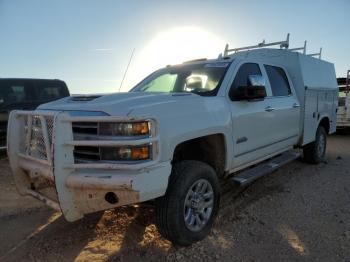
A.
pixel 300 48
pixel 319 54
pixel 282 44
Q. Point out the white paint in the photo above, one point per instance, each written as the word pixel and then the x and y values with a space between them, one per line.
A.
pixel 178 118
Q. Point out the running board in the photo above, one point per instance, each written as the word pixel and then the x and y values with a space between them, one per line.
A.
pixel 248 176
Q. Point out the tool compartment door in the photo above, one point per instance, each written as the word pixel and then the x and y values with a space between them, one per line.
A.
pixel 310 116
pixel 327 107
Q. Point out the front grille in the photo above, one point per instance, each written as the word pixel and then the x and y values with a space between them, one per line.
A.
pixel 85 128
pixel 36 147
pixel 86 154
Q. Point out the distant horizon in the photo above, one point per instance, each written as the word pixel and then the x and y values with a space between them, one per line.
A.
pixel 88 44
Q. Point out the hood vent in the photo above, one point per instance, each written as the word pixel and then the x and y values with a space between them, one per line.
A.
pixel 84 98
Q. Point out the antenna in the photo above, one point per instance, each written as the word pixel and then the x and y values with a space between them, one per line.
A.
pixel 126 70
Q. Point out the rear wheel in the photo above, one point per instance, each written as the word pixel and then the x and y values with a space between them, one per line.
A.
pixel 314 152
pixel 187 211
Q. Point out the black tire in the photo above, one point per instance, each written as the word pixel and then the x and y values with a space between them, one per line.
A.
pixel 314 152
pixel 170 209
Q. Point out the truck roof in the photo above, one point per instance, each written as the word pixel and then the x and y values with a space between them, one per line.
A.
pixel 314 72
pixel 257 54
pixel 304 71
pixel 28 79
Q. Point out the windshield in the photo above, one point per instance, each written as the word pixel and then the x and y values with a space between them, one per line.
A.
pixel 202 79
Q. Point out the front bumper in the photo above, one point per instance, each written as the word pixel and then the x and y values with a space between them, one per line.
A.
pixel 48 172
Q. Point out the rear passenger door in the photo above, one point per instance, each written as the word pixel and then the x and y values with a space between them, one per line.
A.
pixel 283 107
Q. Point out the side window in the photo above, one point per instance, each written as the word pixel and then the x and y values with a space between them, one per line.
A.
pixel 244 71
pixel 278 80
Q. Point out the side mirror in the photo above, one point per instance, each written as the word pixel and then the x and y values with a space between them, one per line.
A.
pixel 254 90
pixel 256 80
pixel 248 93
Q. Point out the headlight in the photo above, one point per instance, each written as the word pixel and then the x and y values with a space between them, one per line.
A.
pixel 125 129
pixel 129 153
pixel 115 131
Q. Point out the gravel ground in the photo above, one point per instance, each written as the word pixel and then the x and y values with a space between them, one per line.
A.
pixel 299 213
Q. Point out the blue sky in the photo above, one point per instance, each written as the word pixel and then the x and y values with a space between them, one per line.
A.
pixel 88 43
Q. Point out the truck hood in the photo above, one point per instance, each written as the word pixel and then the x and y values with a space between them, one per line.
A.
pixel 121 104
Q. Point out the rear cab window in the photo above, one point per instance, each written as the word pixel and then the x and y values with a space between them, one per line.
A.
pixel 14 92
pixel 50 90
pixel 278 81
pixel 29 93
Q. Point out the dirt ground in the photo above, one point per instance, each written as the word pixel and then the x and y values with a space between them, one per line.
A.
pixel 299 213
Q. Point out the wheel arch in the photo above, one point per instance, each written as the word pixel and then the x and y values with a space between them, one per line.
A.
pixel 325 123
pixel 210 149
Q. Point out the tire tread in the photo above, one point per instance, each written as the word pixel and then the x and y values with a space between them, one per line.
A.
pixel 165 206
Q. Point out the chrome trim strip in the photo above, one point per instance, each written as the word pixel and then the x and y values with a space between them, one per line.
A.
pixel 261 147
pixel 105 119
pixel 108 166
pixel 112 143
pixel 83 136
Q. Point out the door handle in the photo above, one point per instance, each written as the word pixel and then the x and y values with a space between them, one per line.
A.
pixel 269 109
pixel 296 105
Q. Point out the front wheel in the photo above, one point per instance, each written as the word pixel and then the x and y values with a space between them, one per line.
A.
pixel 314 152
pixel 187 211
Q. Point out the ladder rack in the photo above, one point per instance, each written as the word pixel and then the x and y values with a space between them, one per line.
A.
pixel 282 44
pixel 300 48
pixel 317 54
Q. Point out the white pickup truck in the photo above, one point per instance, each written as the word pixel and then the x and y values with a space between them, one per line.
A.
pixel 343 115
pixel 174 136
